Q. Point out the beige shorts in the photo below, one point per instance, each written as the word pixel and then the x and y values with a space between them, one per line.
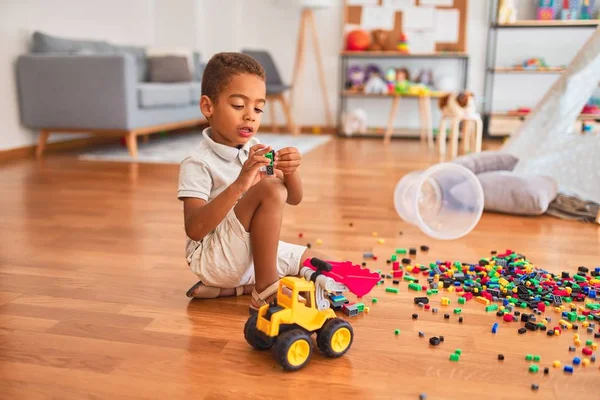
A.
pixel 224 258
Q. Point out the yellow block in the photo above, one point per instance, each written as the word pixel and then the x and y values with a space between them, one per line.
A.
pixel 568 289
pixel 483 300
pixel 503 281
pixel 557 309
pixel 502 308
pixel 566 323
pixel 475 290
pixel 585 324
pixel 483 287
pixel 576 336
pixel 585 362
pixel 451 289
pixel 556 364
pixel 594 281
pixel 556 332
pixel 577 342
pixel 367 309
pixel 594 346
pixel 515 290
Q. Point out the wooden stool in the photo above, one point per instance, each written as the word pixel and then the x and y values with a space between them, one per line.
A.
pixel 425 127
pixel 467 121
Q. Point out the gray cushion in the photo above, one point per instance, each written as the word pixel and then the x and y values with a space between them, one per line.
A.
pixel 140 59
pixel 43 43
pixel 164 95
pixel 196 92
pixel 513 193
pixel 488 161
pixel 168 69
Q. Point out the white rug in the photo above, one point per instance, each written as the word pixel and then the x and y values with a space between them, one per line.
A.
pixel 172 149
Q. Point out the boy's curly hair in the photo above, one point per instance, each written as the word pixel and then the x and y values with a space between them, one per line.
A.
pixel 222 67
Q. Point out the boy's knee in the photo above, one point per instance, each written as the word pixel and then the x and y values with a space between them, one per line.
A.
pixel 273 189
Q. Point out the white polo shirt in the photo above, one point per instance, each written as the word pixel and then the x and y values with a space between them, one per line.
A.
pixel 209 169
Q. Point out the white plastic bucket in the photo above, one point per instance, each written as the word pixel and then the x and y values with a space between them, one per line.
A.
pixel 445 201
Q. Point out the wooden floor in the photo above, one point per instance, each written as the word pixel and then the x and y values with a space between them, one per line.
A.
pixel 92 284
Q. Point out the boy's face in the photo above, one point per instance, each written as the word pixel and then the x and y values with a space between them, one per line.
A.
pixel 235 116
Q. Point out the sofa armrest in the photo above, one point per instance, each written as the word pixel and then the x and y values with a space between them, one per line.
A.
pixel 77 92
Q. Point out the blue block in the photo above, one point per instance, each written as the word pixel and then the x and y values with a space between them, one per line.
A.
pixel 576 361
pixel 592 294
pixel 537 298
pixel 565 314
pixel 597 269
pixel 568 369
pixel 495 327
pixel 586 290
pixel 505 302
pixel 456 283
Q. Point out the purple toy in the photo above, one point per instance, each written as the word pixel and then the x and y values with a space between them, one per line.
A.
pixel 356 78
pixel 371 70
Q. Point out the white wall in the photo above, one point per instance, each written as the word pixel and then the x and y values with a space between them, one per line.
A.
pixel 123 22
pixel 273 25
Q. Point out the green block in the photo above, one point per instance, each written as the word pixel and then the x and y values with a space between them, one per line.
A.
pixel 360 307
pixel 391 290
pixel 378 271
pixel 454 357
pixel 589 342
pixel 409 278
pixel 434 291
pixel 523 305
pixel 457 265
pixel 396 331
pixel 457 310
pixel 534 368
pixel 429 291
pixel 458 351
pixel 593 306
pixel 579 278
pixel 400 251
pixel 572 316
pixel 591 317
pixel 374 300
pixel 432 265
pixel 491 307
pixel 581 318
pixel 567 299
pixel 537 358
pixel 461 300
pixel 393 258
pixel 414 286
pixel 529 357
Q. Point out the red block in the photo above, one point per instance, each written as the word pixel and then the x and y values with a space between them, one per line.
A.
pixel 508 317
pixel 427 306
pixel 396 266
pixel 487 295
pixel 586 312
pixel 424 288
pixel 558 292
pixel 459 290
pixel 587 351
pixel 557 328
pixel 468 296
pixel 398 274
pixel 541 306
pixel 374 258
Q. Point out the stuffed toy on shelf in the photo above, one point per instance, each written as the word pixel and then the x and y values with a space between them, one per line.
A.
pixel 374 82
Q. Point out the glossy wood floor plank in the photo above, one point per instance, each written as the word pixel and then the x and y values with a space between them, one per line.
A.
pixel 93 281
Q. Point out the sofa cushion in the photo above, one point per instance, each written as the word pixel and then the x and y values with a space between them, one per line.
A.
pixel 43 43
pixel 152 95
pixel 196 92
pixel 168 69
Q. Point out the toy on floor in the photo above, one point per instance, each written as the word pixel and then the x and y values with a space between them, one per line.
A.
pixel 375 83
pixel 507 12
pixel 288 323
pixel 354 122
pixel 546 10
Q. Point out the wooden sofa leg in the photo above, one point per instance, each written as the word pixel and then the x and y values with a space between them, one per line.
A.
pixel 132 144
pixel 41 146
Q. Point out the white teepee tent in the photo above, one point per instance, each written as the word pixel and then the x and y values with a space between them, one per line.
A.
pixel 547 142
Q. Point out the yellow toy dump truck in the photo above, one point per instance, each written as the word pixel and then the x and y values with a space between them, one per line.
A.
pixel 288 323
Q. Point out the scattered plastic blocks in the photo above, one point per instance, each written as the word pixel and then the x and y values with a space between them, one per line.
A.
pixel 585 362
pixel 396 331
pixel 491 307
pixel 537 358
pixel 445 301
pixel 374 300
pixel 576 361
pixel 535 387
pixel 454 357
pixel 457 310
pixel 461 300
pixel 568 369
pixel 529 357
pixel 391 290
pixel 495 327
pixel 534 368
pixel 556 364
pixel 434 341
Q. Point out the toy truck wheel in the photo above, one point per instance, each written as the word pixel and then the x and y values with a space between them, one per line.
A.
pixel 293 349
pixel 335 338
pixel 254 339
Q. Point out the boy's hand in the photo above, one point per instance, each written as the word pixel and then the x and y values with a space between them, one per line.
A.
pixel 256 160
pixel 287 160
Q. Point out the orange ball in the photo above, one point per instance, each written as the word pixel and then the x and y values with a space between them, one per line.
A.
pixel 358 40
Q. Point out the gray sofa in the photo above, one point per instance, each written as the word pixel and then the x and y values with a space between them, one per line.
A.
pixel 69 85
